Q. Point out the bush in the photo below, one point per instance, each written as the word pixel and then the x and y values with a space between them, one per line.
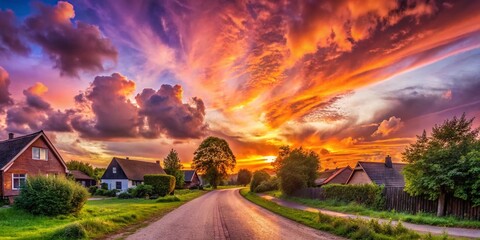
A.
pixel 258 177
pixel 268 185
pixel 106 193
pixel 51 196
pixel 71 231
pixel 142 191
pixel 162 184
pixel 298 170
pixel 104 186
pixel 369 195
pixel 92 189
pixel 125 195
pixel 168 199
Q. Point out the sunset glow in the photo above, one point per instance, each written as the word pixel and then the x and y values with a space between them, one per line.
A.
pixel 351 80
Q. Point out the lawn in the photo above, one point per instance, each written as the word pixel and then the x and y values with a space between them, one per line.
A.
pixel 353 208
pixel 99 218
pixel 349 228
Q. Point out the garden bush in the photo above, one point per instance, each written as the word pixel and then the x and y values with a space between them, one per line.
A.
pixel 142 191
pixel 71 231
pixel 124 195
pixel 369 195
pixel 51 196
pixel 106 193
pixel 257 178
pixel 268 185
pixel 162 184
pixel 104 186
pixel 92 189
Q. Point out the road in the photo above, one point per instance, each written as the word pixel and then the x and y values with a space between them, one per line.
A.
pixel 225 214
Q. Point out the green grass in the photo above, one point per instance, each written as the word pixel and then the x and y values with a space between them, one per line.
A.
pixel 350 228
pixel 98 218
pixel 353 208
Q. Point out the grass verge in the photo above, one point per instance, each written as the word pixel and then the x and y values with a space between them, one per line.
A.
pixel 97 218
pixel 354 208
pixel 349 228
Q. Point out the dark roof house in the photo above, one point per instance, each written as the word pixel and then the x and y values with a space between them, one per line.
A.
pixel 381 173
pixel 82 178
pixel 336 176
pixel 191 179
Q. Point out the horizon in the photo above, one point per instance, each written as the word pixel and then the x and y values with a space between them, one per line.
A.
pixel 357 82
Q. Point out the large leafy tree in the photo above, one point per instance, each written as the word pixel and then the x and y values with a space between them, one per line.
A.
pixel 214 158
pixel 283 152
pixel 172 166
pixel 297 170
pixel 447 162
pixel 244 177
pixel 83 167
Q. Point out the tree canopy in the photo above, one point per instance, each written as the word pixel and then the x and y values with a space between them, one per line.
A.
pixel 244 177
pixel 83 167
pixel 172 166
pixel 298 169
pixel 258 177
pixel 446 162
pixel 214 158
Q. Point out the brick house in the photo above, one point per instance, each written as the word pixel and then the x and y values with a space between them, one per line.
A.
pixel 23 156
pixel 191 179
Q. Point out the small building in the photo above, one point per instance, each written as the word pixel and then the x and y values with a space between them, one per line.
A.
pixel 385 173
pixel 83 178
pixel 24 156
pixel 334 176
pixel 191 179
pixel 124 173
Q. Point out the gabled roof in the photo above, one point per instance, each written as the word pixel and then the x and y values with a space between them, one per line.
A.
pixel 189 174
pixel 77 174
pixel 322 176
pixel 135 170
pixel 382 175
pixel 337 174
pixel 10 149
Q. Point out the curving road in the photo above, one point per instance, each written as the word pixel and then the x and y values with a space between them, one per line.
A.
pixel 225 214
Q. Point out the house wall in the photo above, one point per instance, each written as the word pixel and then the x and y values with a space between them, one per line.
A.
pixel 359 177
pixel 24 164
pixel 112 183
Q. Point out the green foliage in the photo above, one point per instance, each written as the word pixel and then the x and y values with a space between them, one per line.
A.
pixel 168 199
pixel 83 167
pixel 369 195
pixel 283 152
pixel 268 185
pixel 214 158
pixel 446 162
pixel 104 186
pixel 92 189
pixel 162 184
pixel 298 170
pixel 71 231
pixel 51 196
pixel 172 166
pixel 244 177
pixel 142 191
pixel 124 195
pixel 258 177
pixel 106 193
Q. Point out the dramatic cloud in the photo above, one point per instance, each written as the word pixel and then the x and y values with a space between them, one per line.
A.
pixel 166 113
pixel 388 126
pixel 5 99
pixel 10 37
pixel 73 47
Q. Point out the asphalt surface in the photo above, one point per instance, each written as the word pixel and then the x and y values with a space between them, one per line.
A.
pixel 225 214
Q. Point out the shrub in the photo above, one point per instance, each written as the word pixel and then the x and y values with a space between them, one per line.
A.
pixel 369 195
pixel 125 195
pixel 244 177
pixel 71 231
pixel 92 189
pixel 104 186
pixel 168 199
pixel 258 178
pixel 142 191
pixel 268 185
pixel 162 184
pixel 298 170
pixel 106 193
pixel 51 196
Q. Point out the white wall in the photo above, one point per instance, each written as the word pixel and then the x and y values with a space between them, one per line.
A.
pixel 112 183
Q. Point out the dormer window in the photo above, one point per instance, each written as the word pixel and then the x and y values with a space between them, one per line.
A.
pixel 39 153
pixel 114 169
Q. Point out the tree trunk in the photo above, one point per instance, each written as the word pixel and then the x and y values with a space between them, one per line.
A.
pixel 441 205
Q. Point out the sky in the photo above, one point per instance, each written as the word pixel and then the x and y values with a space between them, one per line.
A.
pixel 350 80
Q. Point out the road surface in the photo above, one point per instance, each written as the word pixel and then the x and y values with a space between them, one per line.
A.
pixel 225 214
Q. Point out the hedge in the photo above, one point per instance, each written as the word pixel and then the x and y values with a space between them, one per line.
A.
pixel 269 185
pixel 257 178
pixel 369 195
pixel 162 184
pixel 51 196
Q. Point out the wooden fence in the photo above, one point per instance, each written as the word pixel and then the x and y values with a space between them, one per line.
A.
pixel 400 201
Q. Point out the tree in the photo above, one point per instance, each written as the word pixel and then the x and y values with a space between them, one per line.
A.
pixel 244 177
pixel 258 177
pixel 83 167
pixel 283 152
pixel 447 162
pixel 172 166
pixel 214 158
pixel 298 170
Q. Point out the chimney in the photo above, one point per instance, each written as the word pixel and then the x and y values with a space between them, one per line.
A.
pixel 388 162
pixel 11 135
pixel 127 158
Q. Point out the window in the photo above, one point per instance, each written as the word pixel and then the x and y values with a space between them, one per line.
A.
pixel 114 170
pixel 118 185
pixel 39 153
pixel 18 180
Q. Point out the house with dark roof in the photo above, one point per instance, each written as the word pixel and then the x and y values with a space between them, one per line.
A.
pixel 334 176
pixel 24 156
pixel 191 179
pixel 83 178
pixel 124 173
pixel 381 173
